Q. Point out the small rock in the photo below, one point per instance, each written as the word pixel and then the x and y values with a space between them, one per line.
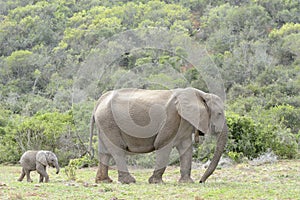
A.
pixel 85 184
pixel 37 185
pixel 205 165
pixel 225 162
pixel 70 184
pixel 3 184
pixel 268 157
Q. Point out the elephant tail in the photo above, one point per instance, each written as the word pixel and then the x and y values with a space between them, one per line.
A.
pixel 92 123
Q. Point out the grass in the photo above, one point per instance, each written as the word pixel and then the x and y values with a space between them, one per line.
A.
pixel 279 180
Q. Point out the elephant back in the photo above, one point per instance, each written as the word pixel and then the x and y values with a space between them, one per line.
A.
pixel 28 160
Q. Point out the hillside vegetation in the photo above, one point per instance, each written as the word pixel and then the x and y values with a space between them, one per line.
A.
pixel 49 82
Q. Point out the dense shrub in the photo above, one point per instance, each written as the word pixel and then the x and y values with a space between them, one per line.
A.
pixel 204 151
pixel 254 138
pixel 288 115
pixel 9 150
pixel 243 136
pixel 42 131
pixel 249 139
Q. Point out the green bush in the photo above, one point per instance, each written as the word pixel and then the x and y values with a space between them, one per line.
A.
pixel 84 161
pixel 42 131
pixel 248 138
pixel 70 170
pixel 284 144
pixel 243 136
pixel 204 152
pixel 254 138
pixel 236 156
pixel 288 115
pixel 78 163
pixel 9 150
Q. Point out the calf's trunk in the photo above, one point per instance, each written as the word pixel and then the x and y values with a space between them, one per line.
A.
pixel 57 168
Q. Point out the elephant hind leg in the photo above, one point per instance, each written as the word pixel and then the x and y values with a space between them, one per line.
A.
pixel 117 148
pixel 22 175
pixel 124 175
pixel 102 173
pixel 27 172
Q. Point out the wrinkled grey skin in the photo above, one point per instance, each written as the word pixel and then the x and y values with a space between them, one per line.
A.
pixel 141 121
pixel 38 160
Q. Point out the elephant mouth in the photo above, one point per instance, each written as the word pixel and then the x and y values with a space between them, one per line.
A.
pixel 216 130
pixel 213 128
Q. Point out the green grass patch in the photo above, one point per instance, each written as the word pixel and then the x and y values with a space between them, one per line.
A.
pixel 279 180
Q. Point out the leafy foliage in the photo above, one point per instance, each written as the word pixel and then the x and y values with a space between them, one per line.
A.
pixel 78 163
pixel 251 139
pixel 44 44
pixel 42 131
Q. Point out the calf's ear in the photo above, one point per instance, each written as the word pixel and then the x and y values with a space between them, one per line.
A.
pixel 41 158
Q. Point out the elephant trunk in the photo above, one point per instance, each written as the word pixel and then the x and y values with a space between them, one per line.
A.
pixel 221 143
pixel 57 168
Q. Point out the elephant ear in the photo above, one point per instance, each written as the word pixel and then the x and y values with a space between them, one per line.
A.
pixel 192 107
pixel 41 158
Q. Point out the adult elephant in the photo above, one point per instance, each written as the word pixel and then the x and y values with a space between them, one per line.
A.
pixel 141 121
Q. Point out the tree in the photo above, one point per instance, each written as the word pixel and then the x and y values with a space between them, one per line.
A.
pixel 286 41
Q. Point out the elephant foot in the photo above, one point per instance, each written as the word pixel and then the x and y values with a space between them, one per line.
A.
pixel 29 181
pixel 104 180
pixel 155 180
pixel 186 180
pixel 126 178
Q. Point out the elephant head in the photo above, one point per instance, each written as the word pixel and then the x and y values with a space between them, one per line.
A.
pixel 205 112
pixel 47 158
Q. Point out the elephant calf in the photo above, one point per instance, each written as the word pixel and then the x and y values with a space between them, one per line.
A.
pixel 38 160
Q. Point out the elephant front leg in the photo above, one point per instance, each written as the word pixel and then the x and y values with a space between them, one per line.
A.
pixel 162 160
pixel 41 179
pixel 185 151
pixel 157 176
pixel 102 173
pixel 41 169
